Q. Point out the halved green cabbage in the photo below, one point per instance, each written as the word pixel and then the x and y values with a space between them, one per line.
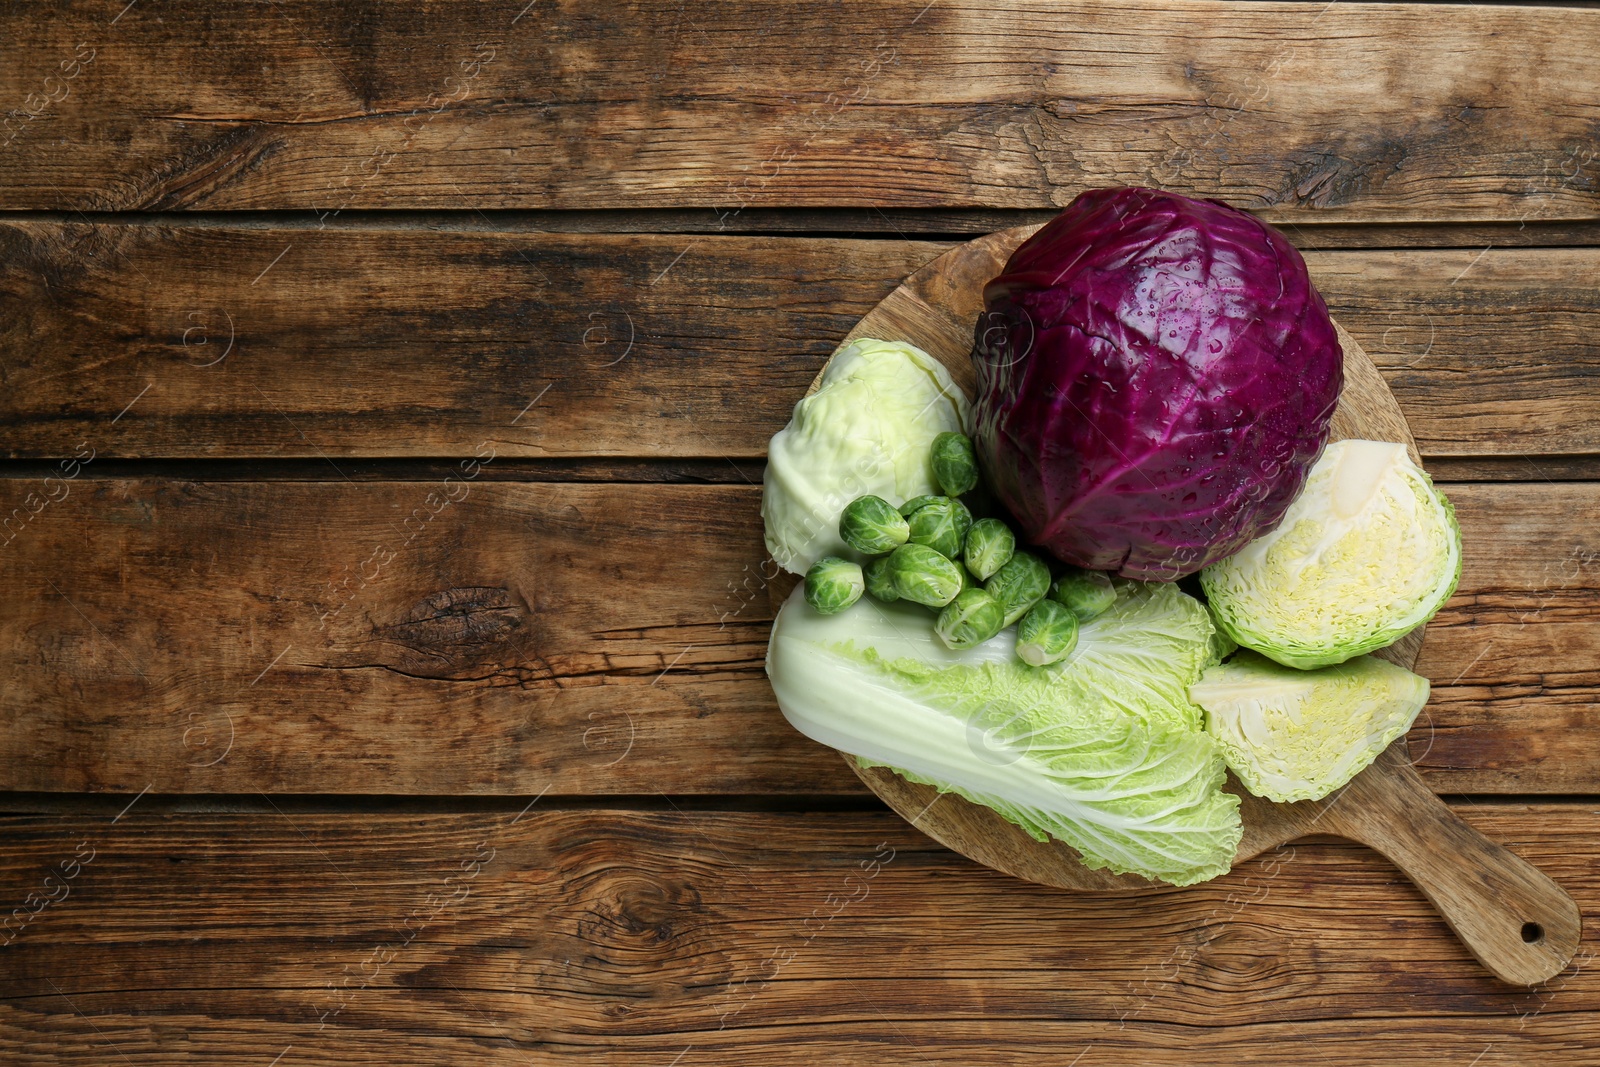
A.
pixel 1102 750
pixel 1299 735
pixel 1367 552
pixel 867 430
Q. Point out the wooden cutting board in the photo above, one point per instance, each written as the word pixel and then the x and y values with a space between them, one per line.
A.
pixel 1521 925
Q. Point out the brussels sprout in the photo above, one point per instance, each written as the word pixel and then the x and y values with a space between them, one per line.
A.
pixel 989 545
pixel 970 619
pixel 872 525
pixel 924 576
pixel 1299 735
pixel 916 503
pixel 942 526
pixel 967 580
pixel 880 580
pixel 955 464
pixel 1020 584
pixel 1047 633
pixel 1087 593
pixel 1367 552
pixel 833 584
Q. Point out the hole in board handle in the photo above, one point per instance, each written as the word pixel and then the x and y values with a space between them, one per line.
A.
pixel 1532 933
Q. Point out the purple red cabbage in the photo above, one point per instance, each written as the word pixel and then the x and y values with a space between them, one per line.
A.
pixel 1155 376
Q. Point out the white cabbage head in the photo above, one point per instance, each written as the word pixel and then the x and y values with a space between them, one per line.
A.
pixel 1298 735
pixel 1367 552
pixel 866 430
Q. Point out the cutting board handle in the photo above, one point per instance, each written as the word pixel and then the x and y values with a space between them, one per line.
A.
pixel 1520 924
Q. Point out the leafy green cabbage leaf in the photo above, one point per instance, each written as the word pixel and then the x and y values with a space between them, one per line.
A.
pixel 1103 751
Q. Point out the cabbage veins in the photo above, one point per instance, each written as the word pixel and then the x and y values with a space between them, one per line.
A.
pixel 1103 750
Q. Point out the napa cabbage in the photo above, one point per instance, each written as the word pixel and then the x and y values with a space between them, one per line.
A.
pixel 1102 750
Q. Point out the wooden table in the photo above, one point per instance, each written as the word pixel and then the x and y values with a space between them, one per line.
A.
pixel 385 389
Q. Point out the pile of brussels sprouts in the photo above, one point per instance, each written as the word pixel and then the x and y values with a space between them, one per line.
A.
pixel 930 551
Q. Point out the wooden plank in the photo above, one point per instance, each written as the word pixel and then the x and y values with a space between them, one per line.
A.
pixel 628 937
pixel 1354 112
pixel 448 332
pixel 377 637
pixel 1576 468
pixel 1306 232
pixel 1468 315
pixel 416 343
pixel 452 636
pixel 159 341
pixel 1513 655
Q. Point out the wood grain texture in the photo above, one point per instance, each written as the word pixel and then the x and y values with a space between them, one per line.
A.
pixel 433 637
pixel 251 342
pixel 869 103
pixel 398 632
pixel 627 937
pixel 408 342
pixel 1513 917
pixel 588 639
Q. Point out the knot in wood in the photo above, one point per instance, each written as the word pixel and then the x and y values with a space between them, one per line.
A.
pixel 460 623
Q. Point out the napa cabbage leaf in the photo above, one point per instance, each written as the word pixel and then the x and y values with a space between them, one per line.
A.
pixel 1103 750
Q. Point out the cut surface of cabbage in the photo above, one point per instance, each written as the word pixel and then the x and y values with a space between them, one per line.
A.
pixel 1298 735
pixel 1367 552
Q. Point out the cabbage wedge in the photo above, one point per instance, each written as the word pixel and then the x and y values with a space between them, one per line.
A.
pixel 1367 552
pixel 1299 735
